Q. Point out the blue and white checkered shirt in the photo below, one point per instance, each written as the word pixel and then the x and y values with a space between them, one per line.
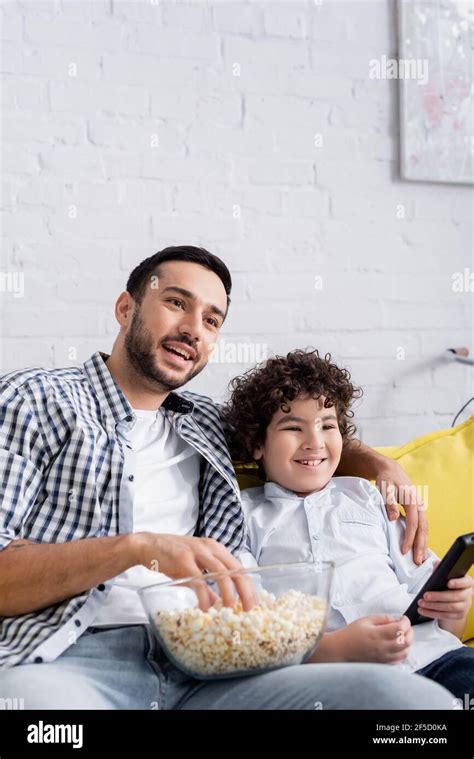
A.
pixel 66 473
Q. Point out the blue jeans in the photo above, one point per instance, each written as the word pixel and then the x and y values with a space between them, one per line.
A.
pixel 454 670
pixel 125 668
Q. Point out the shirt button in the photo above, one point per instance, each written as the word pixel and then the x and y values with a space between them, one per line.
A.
pixel 38 659
pixel 131 477
pixel 129 418
pixel 77 622
pixel 101 586
pixel 316 535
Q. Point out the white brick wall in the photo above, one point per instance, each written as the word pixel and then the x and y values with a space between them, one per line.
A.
pixel 275 150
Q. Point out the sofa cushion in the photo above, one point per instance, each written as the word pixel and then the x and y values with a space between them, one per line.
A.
pixel 443 462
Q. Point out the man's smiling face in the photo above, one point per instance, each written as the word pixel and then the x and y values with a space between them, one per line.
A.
pixel 176 325
pixel 302 447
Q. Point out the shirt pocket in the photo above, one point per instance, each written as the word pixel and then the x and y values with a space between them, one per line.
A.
pixel 360 534
pixel 362 526
pixel 356 516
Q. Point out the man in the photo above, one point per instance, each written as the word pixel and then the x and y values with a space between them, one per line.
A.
pixel 109 477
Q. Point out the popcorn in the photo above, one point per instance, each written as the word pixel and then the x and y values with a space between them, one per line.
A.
pixel 229 641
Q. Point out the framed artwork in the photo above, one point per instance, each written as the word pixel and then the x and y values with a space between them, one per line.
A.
pixel 435 71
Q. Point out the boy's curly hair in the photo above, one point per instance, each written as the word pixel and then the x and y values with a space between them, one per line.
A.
pixel 261 391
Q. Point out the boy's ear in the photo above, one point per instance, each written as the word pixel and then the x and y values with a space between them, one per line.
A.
pixel 258 453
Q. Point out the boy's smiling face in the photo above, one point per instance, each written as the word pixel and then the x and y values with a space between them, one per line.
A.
pixel 308 433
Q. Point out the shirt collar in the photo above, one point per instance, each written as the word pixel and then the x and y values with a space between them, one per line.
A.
pixel 273 490
pixel 111 398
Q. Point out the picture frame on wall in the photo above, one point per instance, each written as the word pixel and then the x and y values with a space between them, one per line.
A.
pixel 436 90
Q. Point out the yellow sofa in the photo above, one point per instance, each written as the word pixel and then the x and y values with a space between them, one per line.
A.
pixel 442 464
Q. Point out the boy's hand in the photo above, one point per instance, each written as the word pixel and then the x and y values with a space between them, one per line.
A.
pixel 449 604
pixel 377 638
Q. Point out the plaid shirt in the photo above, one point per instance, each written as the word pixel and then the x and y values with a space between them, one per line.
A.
pixel 66 473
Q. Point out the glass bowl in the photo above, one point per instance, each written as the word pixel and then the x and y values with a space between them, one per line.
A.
pixel 208 640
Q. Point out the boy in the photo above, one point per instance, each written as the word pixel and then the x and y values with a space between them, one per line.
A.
pixel 292 415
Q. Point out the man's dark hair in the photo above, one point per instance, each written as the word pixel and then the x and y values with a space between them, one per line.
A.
pixel 273 385
pixel 140 276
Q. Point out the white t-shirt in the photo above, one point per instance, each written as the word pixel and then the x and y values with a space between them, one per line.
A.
pixel 166 501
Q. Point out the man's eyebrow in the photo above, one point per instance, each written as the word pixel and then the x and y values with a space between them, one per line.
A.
pixel 191 296
pixel 299 419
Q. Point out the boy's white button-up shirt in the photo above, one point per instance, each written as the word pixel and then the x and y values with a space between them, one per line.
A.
pixel 346 522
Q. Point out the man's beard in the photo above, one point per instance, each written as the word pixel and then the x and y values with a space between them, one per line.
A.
pixel 140 352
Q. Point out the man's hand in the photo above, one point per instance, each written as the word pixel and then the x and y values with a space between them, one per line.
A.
pixel 358 460
pixel 178 556
pixel 398 490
